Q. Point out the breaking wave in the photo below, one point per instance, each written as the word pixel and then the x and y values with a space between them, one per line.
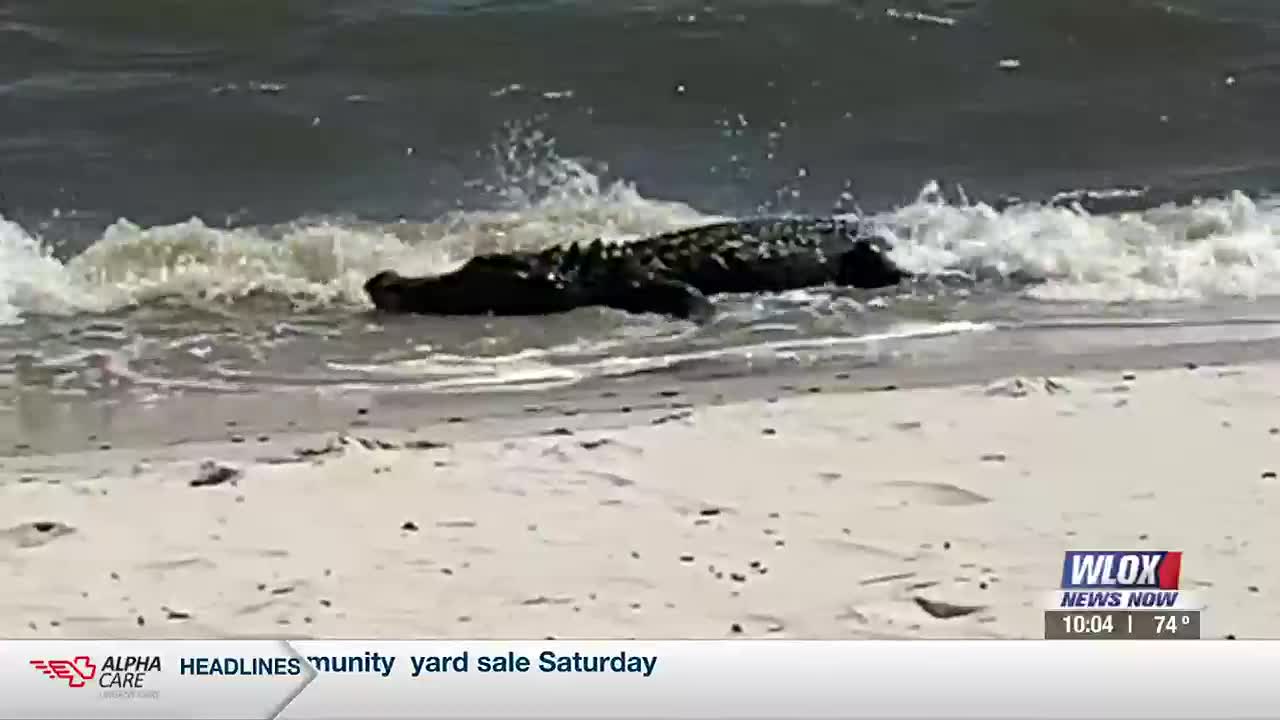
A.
pixel 1225 247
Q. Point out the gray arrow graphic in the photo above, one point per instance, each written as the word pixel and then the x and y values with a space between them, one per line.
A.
pixel 309 674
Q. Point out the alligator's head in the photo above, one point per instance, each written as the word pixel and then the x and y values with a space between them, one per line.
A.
pixel 386 290
pixel 485 284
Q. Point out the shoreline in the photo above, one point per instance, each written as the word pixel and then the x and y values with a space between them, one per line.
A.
pixel 929 512
pixel 39 423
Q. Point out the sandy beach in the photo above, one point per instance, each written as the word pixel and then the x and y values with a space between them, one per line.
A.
pixel 935 512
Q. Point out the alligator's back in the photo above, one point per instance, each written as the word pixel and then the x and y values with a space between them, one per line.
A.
pixel 754 255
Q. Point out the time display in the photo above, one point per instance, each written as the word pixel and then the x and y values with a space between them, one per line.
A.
pixel 1090 623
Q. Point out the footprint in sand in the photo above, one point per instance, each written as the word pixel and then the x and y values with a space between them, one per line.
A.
pixel 34 534
pixel 930 493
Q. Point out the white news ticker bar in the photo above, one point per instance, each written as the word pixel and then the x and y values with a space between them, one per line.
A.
pixel 689 679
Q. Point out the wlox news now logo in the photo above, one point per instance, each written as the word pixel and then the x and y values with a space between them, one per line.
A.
pixel 114 674
pixel 1122 579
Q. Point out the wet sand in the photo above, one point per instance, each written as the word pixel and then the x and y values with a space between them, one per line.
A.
pixel 800 509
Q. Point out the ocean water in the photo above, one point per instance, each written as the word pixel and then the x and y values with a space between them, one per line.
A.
pixel 192 193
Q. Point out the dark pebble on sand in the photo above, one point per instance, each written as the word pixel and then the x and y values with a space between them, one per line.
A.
pixel 737 577
pixel 410 526
pixel 237 438
pixel 994 457
pixel 44 525
pixel 815 389
pixel 635 555
pixel 983 585
pixel 686 558
pixel 561 431
pixel 141 621
pixel 624 409
pixel 768 431
pixel 214 473
pixel 424 445
pixel 1269 475
pixel 842 376
pixel 172 614
pixel 1129 376
pixel 771 400
pixel 736 629
pixel 326 603
pixel 1253 588
pixel 104 446
pixel 779 542
pixel 945 610
pixel 668 393
pixel 362 411
pixel 115 576
pixel 709 512
pixel 593 444
pixel 1191 366
pixel 946 544
pixel 264 438
pixel 446 571
pixel 1229 636
pixel 455 419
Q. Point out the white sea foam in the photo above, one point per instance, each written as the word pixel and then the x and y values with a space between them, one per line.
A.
pixel 1226 247
pixel 543 367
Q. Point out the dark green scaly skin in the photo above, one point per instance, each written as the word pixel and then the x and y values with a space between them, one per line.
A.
pixel 671 273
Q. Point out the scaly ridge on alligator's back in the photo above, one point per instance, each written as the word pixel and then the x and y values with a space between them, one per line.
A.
pixel 758 255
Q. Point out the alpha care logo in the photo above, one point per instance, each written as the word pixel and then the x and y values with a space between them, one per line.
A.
pixel 116 674
pixel 75 672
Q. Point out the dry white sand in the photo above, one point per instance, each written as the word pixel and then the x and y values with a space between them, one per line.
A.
pixel 818 515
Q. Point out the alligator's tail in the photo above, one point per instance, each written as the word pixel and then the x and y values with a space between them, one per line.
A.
pixel 868 265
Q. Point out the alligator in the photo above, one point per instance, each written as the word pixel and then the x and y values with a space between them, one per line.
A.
pixel 670 274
